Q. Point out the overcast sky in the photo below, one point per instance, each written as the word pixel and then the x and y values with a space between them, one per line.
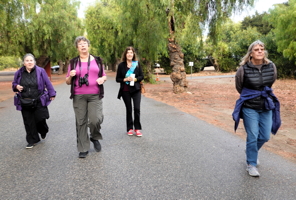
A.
pixel 260 6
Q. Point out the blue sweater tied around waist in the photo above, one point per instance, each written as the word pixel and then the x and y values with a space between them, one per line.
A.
pixel 270 104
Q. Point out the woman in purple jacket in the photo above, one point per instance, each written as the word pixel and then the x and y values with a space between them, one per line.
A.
pixel 32 85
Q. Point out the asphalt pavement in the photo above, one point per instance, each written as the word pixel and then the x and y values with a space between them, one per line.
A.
pixel 178 157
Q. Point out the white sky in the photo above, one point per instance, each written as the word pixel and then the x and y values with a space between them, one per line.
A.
pixel 260 5
pixel 83 6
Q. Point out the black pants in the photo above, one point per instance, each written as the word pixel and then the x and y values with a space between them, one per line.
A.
pixel 127 98
pixel 35 122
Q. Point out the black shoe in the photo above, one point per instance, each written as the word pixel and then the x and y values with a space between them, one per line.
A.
pixel 29 146
pixel 83 154
pixel 97 144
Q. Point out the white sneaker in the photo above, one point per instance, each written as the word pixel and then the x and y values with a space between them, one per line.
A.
pixel 253 171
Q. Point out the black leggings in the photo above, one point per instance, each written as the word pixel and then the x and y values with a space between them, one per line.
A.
pixel 127 98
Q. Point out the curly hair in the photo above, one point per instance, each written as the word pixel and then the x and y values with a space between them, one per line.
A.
pixel 81 38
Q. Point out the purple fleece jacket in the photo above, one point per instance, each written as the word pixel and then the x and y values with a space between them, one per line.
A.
pixel 44 86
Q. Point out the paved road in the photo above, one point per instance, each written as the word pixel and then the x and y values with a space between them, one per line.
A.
pixel 6 76
pixel 178 157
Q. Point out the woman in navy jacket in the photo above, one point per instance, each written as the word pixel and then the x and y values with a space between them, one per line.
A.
pixel 31 82
pixel 129 75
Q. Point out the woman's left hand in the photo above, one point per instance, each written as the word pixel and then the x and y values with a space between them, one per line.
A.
pixel 52 98
pixel 100 81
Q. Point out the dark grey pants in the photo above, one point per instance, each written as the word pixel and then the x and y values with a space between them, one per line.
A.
pixel 88 110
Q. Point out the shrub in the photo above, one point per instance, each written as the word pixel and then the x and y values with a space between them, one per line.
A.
pixel 9 62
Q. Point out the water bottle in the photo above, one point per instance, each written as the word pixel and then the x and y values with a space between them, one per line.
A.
pixel 132 83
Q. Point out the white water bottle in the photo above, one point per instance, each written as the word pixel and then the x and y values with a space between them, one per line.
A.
pixel 132 83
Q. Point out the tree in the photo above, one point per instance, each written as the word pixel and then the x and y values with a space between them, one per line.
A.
pixel 283 19
pixel 222 53
pixel 191 17
pixel 149 24
pixel 263 26
pixel 120 24
pixel 11 27
pixel 52 30
pixel 45 28
pixel 143 25
pixel 242 39
pixel 103 30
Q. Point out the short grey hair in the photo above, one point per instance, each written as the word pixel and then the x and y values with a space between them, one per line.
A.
pixel 81 38
pixel 247 57
pixel 29 54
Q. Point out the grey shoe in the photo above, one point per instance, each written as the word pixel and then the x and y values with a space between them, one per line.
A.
pixel 253 171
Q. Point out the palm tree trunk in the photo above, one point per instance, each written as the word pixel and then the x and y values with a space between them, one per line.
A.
pixel 178 75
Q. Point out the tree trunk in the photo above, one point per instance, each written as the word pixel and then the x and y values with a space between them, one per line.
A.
pixel 178 75
pixel 147 71
pixel 66 65
pixel 114 65
pixel 61 69
pixel 42 61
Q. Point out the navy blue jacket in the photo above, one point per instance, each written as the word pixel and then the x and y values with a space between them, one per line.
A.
pixel 270 104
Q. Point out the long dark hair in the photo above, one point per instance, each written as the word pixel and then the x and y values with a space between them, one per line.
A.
pixel 123 57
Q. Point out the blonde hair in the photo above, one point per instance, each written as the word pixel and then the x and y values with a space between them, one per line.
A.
pixel 247 57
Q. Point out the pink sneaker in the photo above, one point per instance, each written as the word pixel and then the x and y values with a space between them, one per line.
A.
pixel 130 132
pixel 138 133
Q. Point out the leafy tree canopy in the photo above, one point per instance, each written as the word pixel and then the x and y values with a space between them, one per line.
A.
pixel 103 30
pixel 283 19
pixel 257 21
pixel 45 27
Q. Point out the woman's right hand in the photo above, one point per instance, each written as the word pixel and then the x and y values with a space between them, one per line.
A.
pixel 128 79
pixel 73 73
pixel 19 88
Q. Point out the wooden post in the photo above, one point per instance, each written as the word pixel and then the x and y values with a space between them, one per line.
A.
pixel 48 70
